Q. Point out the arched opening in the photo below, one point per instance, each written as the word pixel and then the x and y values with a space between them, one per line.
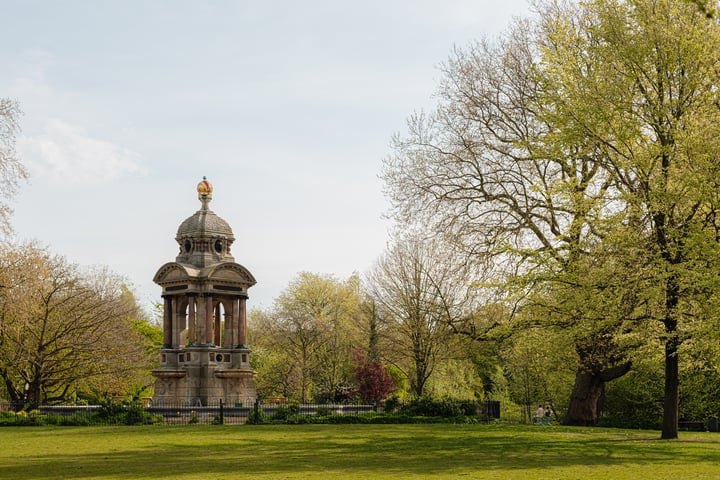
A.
pixel 219 323
pixel 191 314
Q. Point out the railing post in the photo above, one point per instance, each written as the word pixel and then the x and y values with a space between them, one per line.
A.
pixel 222 414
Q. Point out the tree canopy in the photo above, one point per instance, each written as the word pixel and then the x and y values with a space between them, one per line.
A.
pixel 577 149
pixel 63 331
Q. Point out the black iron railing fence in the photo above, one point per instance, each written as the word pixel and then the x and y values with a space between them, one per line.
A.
pixel 133 413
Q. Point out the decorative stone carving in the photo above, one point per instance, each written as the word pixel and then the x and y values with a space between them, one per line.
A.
pixel 205 293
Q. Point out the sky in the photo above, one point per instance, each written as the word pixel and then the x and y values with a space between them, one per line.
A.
pixel 287 107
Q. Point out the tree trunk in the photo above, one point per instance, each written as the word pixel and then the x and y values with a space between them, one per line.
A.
pixel 33 397
pixel 16 396
pixel 672 392
pixel 671 402
pixel 587 392
pixel 417 385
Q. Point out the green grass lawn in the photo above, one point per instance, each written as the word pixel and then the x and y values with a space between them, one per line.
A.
pixel 342 452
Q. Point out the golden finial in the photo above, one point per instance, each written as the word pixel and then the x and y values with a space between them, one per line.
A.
pixel 204 188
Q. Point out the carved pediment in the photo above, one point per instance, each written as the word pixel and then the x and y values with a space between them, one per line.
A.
pixel 174 272
pixel 232 273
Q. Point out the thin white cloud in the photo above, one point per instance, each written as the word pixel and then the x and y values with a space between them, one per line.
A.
pixel 67 155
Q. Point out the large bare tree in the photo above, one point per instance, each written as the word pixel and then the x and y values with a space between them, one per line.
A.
pixel 421 292
pixel 11 170
pixel 483 171
pixel 62 329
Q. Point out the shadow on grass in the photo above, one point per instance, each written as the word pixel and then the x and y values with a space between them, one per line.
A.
pixel 341 451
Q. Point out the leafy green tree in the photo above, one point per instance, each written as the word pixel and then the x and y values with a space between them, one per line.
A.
pixel 635 400
pixel 150 334
pixel 270 359
pixel 370 312
pixel 602 302
pixel 309 335
pixel 539 365
pixel 591 129
pixel 637 81
pixel 706 7
pixel 456 378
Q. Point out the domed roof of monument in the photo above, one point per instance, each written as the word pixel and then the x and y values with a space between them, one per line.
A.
pixel 204 222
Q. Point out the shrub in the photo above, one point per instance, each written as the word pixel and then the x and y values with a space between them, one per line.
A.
pixel 122 413
pixel 135 414
pixel 109 410
pixel 157 419
pixel 293 409
pixel 193 417
pixel 634 400
pixel 257 416
pixel 391 404
pixel 374 383
pixel 281 412
pixel 301 419
pixel 8 418
pixel 76 419
pixel 7 415
pixel 445 407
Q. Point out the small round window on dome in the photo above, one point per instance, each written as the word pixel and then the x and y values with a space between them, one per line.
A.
pixel 218 246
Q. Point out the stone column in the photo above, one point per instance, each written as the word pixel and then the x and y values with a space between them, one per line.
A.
pixel 208 318
pixel 167 322
pixel 200 320
pixel 179 324
pixel 192 335
pixel 229 339
pixel 216 330
pixel 242 323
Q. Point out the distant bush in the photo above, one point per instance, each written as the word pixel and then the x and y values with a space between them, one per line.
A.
pixel 21 418
pixel 258 417
pixel 302 419
pixel 76 419
pixel 123 414
pixel 444 407
pixel 391 404
pixel 367 418
pixel 8 418
pixel 634 400
pixel 7 415
pixel 135 414
pixel 281 413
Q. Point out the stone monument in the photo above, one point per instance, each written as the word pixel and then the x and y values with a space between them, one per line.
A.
pixel 204 357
